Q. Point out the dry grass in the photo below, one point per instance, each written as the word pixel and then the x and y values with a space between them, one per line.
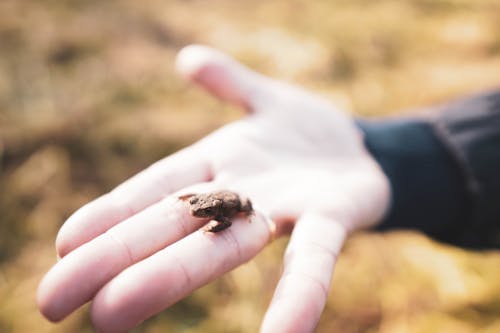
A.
pixel 88 97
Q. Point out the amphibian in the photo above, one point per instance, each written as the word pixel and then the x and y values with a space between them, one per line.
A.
pixel 220 206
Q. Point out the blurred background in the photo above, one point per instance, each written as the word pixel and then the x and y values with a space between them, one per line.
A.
pixel 88 97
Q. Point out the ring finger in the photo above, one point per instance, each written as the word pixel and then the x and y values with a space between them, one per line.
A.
pixel 76 278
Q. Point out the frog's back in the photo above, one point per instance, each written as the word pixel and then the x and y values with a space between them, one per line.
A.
pixel 230 199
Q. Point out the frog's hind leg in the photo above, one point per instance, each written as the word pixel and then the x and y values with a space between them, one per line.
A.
pixel 186 197
pixel 218 224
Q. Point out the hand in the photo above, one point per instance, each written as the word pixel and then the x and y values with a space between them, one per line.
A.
pixel 137 250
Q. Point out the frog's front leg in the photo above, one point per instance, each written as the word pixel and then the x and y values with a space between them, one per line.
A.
pixel 218 224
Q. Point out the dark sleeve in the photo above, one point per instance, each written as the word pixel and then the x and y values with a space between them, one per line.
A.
pixel 444 171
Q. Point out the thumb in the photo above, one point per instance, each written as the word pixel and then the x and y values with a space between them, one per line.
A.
pixel 224 77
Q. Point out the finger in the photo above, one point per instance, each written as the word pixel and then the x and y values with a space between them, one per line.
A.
pixel 157 282
pixel 76 278
pixel 181 169
pixel 303 289
pixel 224 77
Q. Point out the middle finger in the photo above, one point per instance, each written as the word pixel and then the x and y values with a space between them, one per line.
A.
pixel 76 278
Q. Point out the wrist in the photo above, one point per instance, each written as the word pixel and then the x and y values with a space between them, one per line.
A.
pixel 426 184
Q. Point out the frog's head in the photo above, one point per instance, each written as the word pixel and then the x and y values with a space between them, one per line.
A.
pixel 205 208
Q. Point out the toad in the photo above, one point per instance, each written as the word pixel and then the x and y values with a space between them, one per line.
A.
pixel 220 206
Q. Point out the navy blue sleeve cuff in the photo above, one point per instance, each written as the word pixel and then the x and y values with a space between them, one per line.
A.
pixel 443 171
pixel 426 184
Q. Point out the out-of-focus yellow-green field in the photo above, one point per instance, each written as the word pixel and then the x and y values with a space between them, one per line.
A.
pixel 88 97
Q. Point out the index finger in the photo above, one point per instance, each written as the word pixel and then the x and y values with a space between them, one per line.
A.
pixel 166 176
pixel 172 273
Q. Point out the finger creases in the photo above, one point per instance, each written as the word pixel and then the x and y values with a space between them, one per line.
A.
pixel 181 169
pixel 303 288
pixel 77 277
pixel 146 263
pixel 164 278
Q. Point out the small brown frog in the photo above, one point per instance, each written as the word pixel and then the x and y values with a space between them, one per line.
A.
pixel 220 206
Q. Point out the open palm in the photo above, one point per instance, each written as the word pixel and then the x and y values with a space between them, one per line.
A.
pixel 137 250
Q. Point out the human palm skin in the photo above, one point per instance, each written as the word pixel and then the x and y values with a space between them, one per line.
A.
pixel 137 250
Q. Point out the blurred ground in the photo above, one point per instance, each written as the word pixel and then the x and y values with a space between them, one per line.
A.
pixel 88 97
